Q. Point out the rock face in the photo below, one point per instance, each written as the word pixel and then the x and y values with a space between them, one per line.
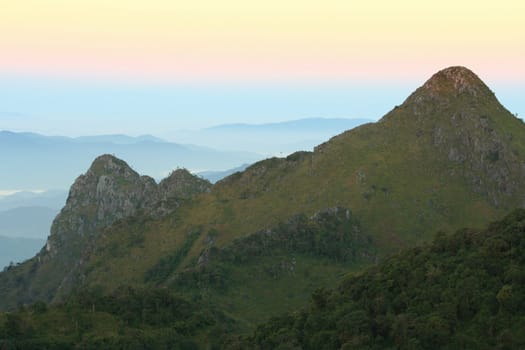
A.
pixel 182 184
pixel 109 191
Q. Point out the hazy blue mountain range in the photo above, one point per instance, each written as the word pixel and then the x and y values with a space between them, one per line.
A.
pixel 34 161
pixel 18 249
pixel 118 139
pixel 214 176
pixel 53 199
pixel 212 149
pixel 27 222
pixel 310 125
pixel 271 138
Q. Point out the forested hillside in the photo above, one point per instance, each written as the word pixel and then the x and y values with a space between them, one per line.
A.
pixel 462 291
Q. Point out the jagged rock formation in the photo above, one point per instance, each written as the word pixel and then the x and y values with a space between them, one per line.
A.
pixel 109 191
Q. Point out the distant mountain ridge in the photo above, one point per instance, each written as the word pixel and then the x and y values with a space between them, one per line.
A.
pixel 280 138
pixel 119 139
pixel 53 199
pixel 16 250
pixel 214 176
pixel 24 152
pixel 313 125
pixel 198 151
pixel 27 222
pixel 115 138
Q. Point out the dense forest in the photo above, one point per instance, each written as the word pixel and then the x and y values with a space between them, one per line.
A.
pixel 128 318
pixel 462 291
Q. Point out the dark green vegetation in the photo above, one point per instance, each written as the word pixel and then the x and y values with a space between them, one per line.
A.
pixel 155 318
pixel 259 242
pixel 294 258
pixel 126 319
pixel 463 291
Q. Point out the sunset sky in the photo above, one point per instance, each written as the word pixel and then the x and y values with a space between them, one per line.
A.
pixel 136 66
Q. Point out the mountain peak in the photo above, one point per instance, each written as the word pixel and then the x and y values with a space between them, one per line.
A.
pixel 450 88
pixel 457 73
pixel 458 77
pixel 181 183
pixel 108 163
pixel 454 81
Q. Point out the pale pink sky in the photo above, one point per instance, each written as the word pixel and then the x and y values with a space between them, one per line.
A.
pixel 233 40
pixel 146 66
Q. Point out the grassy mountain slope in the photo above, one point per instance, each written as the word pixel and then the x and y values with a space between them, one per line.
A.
pixel 445 158
pixel 292 257
pixel 450 156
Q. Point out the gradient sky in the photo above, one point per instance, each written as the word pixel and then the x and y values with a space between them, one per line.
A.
pixel 135 66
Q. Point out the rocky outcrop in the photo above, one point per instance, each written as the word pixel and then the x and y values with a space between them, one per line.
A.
pixel 110 190
pixel 182 184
